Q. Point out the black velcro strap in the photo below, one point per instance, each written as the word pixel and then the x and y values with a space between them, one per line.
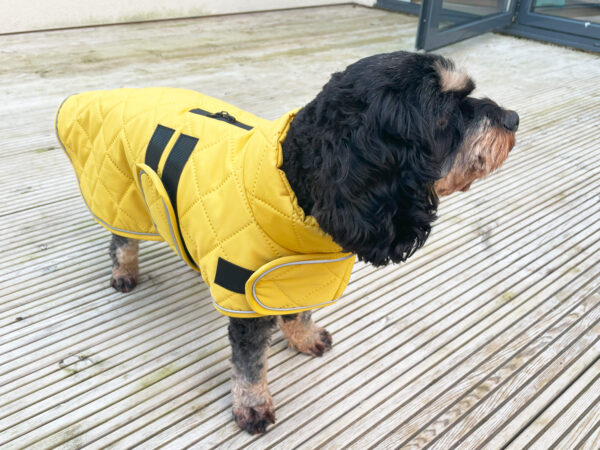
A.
pixel 231 276
pixel 172 172
pixel 156 146
pixel 175 163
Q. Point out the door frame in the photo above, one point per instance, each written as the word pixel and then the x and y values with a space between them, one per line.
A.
pixel 525 23
pixel 430 38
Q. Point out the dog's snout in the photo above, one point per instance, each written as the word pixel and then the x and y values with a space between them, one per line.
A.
pixel 511 121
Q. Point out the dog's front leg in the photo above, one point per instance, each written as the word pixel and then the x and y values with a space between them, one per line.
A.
pixel 252 402
pixel 303 335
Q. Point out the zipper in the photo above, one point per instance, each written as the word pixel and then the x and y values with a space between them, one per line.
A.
pixel 223 116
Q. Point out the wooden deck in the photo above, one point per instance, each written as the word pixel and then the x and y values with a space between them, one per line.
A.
pixel 488 337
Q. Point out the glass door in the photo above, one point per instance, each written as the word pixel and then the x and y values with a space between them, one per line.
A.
pixel 444 22
pixel 576 19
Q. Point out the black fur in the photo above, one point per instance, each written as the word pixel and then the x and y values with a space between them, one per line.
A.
pixel 249 340
pixel 289 317
pixel 363 156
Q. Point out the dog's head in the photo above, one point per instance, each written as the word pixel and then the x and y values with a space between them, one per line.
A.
pixel 383 139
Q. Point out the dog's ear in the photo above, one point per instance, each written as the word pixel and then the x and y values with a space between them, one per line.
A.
pixel 453 80
pixel 382 203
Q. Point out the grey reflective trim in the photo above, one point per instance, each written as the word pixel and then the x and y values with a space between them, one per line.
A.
pixel 137 233
pixel 166 213
pixel 231 310
pixel 298 263
pixel 170 228
pixel 107 225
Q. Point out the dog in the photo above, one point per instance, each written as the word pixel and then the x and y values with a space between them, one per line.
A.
pixel 368 159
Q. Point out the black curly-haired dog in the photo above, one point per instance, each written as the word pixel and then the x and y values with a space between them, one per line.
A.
pixel 368 158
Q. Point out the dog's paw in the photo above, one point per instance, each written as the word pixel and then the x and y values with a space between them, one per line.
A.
pixel 254 419
pixel 252 403
pixel 314 341
pixel 123 283
pixel 321 343
pixel 303 335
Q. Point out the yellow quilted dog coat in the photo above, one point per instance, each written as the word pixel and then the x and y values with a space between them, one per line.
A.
pixel 202 175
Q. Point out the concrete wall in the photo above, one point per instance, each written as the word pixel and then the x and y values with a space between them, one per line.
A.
pixel 29 15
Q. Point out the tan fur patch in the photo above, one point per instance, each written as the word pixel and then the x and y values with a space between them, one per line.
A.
pixel 250 395
pixel 481 152
pixel 127 261
pixel 252 402
pixel 303 335
pixel 452 79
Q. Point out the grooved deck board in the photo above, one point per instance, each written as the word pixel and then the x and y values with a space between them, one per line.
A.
pixel 489 336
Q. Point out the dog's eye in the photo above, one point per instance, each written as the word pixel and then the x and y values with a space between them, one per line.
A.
pixel 442 123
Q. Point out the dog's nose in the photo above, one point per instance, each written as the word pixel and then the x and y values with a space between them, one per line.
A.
pixel 511 121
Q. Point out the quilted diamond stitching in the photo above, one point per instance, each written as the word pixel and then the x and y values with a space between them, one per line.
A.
pixel 290 193
pixel 159 104
pixel 112 141
pixel 281 272
pixel 124 124
pixel 257 173
pixel 331 280
pixel 215 189
pixel 120 132
pixel 298 302
pixel 85 162
pixel 104 114
pixel 254 186
pixel 97 179
pixel 292 302
pixel 227 297
pixel 243 195
pixel 89 141
pixel 203 207
pixel 292 219
pixel 277 210
pixel 119 209
pixel 224 240
pixel 108 156
pixel 96 182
